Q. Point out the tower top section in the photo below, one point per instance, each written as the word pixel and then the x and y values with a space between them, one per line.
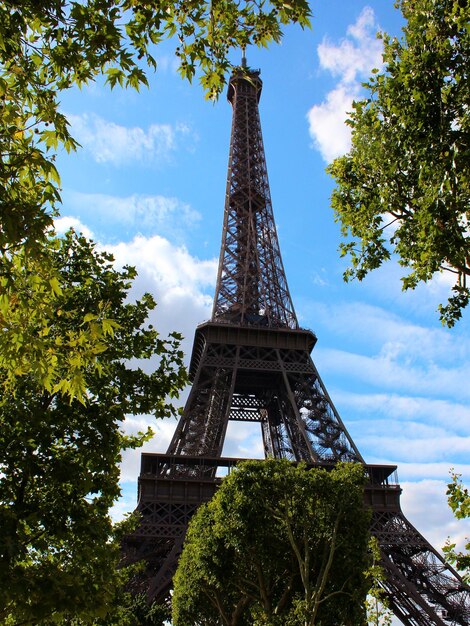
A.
pixel 251 284
pixel 240 76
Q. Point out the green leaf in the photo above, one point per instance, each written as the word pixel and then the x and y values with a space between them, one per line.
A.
pixel 55 285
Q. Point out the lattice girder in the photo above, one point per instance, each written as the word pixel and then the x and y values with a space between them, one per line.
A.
pixel 251 285
pixel 421 587
pixel 201 430
pixel 280 377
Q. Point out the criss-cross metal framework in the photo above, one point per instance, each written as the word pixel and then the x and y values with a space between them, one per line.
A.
pixel 251 362
pixel 251 283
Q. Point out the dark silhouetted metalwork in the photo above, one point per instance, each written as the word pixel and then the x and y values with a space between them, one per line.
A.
pixel 252 362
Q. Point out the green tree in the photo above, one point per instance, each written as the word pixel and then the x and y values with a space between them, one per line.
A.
pixel 459 501
pixel 378 613
pixel 278 544
pixel 127 609
pixel 404 186
pixel 46 47
pixel 59 458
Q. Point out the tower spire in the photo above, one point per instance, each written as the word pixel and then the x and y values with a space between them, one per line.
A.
pixel 251 285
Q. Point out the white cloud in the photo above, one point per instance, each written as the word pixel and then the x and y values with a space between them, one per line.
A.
pixel 425 505
pixel 171 268
pixel 417 442
pixel 454 416
pixel 423 299
pixel 320 278
pixel 355 56
pixel 109 142
pixel 167 63
pixel 244 441
pixel 391 369
pixel 351 61
pixel 181 284
pixel 326 122
pixel 431 471
pixel 63 224
pixel 140 212
pixel 390 335
pixel 403 393
pixel 130 465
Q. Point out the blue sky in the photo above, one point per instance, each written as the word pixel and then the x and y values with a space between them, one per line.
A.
pixel 149 185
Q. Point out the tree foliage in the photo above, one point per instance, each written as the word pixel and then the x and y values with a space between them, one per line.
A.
pixel 459 501
pixel 278 544
pixel 127 609
pixel 59 458
pixel 378 612
pixel 404 186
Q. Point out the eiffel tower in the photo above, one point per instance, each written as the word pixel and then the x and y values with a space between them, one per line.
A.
pixel 251 362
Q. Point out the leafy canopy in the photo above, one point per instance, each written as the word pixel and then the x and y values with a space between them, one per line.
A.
pixel 404 186
pixel 377 605
pixel 278 544
pixel 59 458
pixel 459 501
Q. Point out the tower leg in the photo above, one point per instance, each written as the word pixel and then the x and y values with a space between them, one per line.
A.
pixel 422 589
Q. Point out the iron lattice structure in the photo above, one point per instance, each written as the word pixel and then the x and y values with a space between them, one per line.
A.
pixel 252 362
